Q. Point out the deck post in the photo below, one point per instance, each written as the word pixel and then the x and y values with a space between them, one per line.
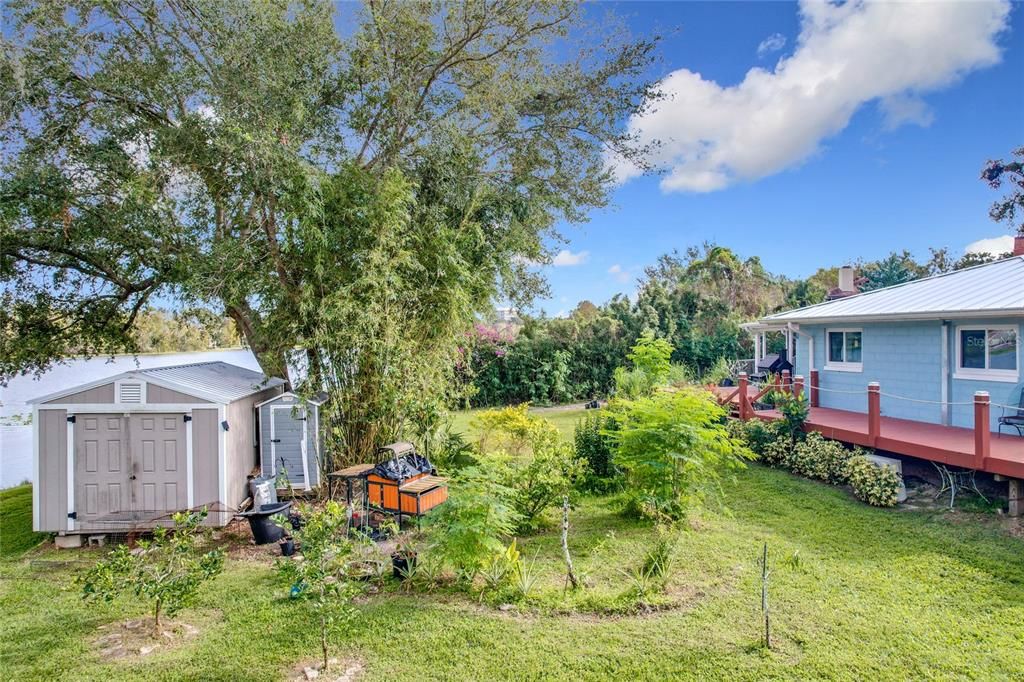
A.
pixel 814 388
pixel 743 396
pixel 787 382
pixel 874 411
pixel 798 386
pixel 982 429
pixel 1015 491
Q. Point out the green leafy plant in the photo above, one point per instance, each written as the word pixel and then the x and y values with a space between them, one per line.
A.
pixel 167 570
pixel 675 447
pixel 539 481
pixel 795 410
pixel 650 575
pixel 320 578
pixel 499 569
pixel 524 578
pixel 652 356
pixel 820 458
pixel 879 486
pixel 470 528
pixel 594 447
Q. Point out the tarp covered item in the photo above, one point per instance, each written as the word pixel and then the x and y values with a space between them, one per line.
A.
pixel 401 468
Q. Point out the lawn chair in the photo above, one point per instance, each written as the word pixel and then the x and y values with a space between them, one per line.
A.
pixel 1014 417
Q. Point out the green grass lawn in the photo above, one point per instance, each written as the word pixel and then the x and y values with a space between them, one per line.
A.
pixel 872 594
pixel 16 534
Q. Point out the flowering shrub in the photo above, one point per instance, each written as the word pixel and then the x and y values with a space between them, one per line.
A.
pixel 878 486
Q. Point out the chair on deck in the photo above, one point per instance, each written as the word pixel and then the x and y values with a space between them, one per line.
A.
pixel 1014 417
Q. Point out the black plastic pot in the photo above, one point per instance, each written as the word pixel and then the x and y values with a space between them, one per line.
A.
pixel 287 547
pixel 401 563
pixel 265 531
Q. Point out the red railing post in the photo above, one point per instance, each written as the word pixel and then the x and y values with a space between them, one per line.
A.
pixel 798 385
pixel 874 411
pixel 787 383
pixel 814 388
pixel 743 396
pixel 982 429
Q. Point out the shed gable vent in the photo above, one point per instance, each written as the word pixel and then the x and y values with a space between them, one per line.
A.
pixel 129 392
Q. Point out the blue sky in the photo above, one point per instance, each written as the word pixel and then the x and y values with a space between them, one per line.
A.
pixel 900 172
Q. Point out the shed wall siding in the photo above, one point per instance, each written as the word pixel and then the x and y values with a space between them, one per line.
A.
pixel 94 396
pixel 52 486
pixel 242 445
pixel 205 429
pixel 906 360
pixel 161 395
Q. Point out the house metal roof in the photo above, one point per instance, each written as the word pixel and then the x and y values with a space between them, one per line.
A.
pixel 218 382
pixel 989 290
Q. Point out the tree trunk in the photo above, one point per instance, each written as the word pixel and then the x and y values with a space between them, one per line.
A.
pixel 156 619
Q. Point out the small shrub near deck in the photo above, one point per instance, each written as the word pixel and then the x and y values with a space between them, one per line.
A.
pixel 878 486
pixel 820 458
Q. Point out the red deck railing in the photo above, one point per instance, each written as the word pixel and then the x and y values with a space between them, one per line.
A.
pixel 973 448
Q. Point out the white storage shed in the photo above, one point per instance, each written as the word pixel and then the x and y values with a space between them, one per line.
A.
pixel 126 452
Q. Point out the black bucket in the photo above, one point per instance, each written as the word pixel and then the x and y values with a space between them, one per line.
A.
pixel 265 531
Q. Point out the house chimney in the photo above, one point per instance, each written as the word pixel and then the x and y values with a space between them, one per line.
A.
pixel 1018 245
pixel 846 279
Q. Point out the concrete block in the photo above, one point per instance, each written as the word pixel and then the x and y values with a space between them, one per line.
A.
pixel 97 540
pixel 892 463
pixel 68 541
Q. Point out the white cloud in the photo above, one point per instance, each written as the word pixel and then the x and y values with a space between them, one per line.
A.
pixel 772 43
pixel 994 245
pixel 565 258
pixel 620 274
pixel 900 109
pixel 846 56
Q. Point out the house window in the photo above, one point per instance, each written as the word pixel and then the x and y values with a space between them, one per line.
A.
pixel 844 349
pixel 987 353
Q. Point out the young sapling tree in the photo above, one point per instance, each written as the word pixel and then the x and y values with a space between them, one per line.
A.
pixel 167 570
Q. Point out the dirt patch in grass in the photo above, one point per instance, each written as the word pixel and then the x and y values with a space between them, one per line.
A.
pixel 347 670
pixel 136 638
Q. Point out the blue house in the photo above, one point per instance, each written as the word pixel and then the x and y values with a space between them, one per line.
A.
pixel 930 344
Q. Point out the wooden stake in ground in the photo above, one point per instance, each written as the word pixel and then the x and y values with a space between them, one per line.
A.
pixel 570 575
pixel 764 597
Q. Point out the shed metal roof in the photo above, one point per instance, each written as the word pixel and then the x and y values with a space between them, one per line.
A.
pixel 218 382
pixel 989 290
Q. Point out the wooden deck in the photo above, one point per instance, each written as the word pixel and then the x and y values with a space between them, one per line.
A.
pixel 934 442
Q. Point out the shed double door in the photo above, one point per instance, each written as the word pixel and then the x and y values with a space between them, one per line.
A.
pixel 129 467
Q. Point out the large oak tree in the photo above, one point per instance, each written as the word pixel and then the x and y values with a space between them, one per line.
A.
pixel 351 182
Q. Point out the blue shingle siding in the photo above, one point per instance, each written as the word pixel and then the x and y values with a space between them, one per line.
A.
pixel 905 358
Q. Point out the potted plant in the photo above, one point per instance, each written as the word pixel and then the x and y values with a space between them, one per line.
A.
pixel 403 559
pixel 287 545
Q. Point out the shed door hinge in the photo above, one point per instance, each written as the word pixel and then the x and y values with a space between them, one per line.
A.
pixel 73 515
pixel 71 419
pixel 187 417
